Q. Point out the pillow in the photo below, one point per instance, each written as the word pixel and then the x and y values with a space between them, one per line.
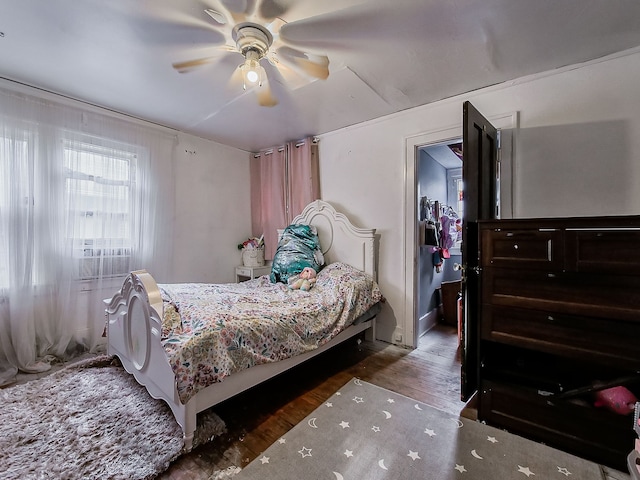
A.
pixel 354 289
pixel 343 273
pixel 298 247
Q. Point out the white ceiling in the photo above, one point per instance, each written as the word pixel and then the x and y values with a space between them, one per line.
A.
pixel 444 156
pixel 385 56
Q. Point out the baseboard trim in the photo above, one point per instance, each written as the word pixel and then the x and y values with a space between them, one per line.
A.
pixel 428 321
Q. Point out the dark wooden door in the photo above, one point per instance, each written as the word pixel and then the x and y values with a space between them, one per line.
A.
pixel 479 167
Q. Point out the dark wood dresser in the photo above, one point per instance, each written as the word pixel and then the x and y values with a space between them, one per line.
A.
pixel 560 319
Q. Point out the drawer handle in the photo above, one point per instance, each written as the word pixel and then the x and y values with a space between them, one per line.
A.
pixel 550 318
pixel 515 246
pixel 551 275
pixel 544 393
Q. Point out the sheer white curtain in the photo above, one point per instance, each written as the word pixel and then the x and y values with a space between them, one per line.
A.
pixel 84 199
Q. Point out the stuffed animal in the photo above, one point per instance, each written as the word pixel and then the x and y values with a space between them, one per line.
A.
pixel 616 399
pixel 304 280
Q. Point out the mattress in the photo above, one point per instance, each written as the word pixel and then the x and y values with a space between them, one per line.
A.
pixel 211 331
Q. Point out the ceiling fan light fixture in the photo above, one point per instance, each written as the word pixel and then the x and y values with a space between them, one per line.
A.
pixel 252 75
pixel 252 71
pixel 253 42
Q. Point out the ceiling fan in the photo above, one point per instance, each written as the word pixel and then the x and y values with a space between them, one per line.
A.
pixel 252 30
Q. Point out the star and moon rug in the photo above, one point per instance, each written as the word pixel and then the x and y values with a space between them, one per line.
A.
pixel 366 432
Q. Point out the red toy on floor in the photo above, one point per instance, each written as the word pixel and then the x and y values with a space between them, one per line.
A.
pixel 616 399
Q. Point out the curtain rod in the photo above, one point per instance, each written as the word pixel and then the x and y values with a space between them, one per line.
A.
pixel 280 149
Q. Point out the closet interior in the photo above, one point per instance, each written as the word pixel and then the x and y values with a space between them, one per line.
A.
pixel 440 212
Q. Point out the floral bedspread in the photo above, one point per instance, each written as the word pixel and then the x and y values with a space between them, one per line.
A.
pixel 211 331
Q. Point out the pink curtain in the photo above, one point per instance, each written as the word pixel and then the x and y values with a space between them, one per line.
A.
pixel 283 181
pixel 304 182
pixel 268 201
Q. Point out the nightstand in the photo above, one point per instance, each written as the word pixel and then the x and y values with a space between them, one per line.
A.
pixel 247 273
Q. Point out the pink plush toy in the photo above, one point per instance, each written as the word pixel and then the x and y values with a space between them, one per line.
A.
pixel 304 280
pixel 617 399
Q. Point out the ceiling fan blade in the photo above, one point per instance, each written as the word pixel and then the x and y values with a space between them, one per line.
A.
pixel 275 25
pixel 184 67
pixel 189 65
pixel 266 98
pixel 270 9
pixel 288 76
pixel 166 26
pixel 316 66
pixel 359 26
pixel 239 10
pixel 218 16
pixel 219 13
pixel 235 80
pixel 302 10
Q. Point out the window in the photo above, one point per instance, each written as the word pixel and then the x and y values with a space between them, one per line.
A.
pixel 455 197
pixel 98 188
pixel 460 196
pixel 98 209
pixel 16 174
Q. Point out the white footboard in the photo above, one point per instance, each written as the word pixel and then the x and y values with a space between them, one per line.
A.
pixel 134 328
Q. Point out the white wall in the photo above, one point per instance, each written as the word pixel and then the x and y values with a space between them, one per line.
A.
pixel 213 210
pixel 576 154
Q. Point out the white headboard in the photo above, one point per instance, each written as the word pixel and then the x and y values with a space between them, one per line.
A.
pixel 339 239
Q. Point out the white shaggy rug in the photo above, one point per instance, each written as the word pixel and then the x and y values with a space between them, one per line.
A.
pixel 90 420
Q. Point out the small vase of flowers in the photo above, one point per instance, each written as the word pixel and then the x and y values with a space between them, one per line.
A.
pixel 252 251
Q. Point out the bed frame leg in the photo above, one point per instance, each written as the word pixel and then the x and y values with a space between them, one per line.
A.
pixel 370 333
pixel 188 442
pixel 189 426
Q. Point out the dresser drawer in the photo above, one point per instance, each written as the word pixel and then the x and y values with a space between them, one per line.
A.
pixel 602 296
pixel 607 341
pixel 579 429
pixel 613 250
pixel 522 248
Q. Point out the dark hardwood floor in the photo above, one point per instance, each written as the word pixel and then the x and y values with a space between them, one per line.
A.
pixel 258 417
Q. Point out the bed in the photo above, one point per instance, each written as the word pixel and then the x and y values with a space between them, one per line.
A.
pixel 139 333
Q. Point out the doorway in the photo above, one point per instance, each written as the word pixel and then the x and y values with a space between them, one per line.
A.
pixel 407 331
pixel 440 213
